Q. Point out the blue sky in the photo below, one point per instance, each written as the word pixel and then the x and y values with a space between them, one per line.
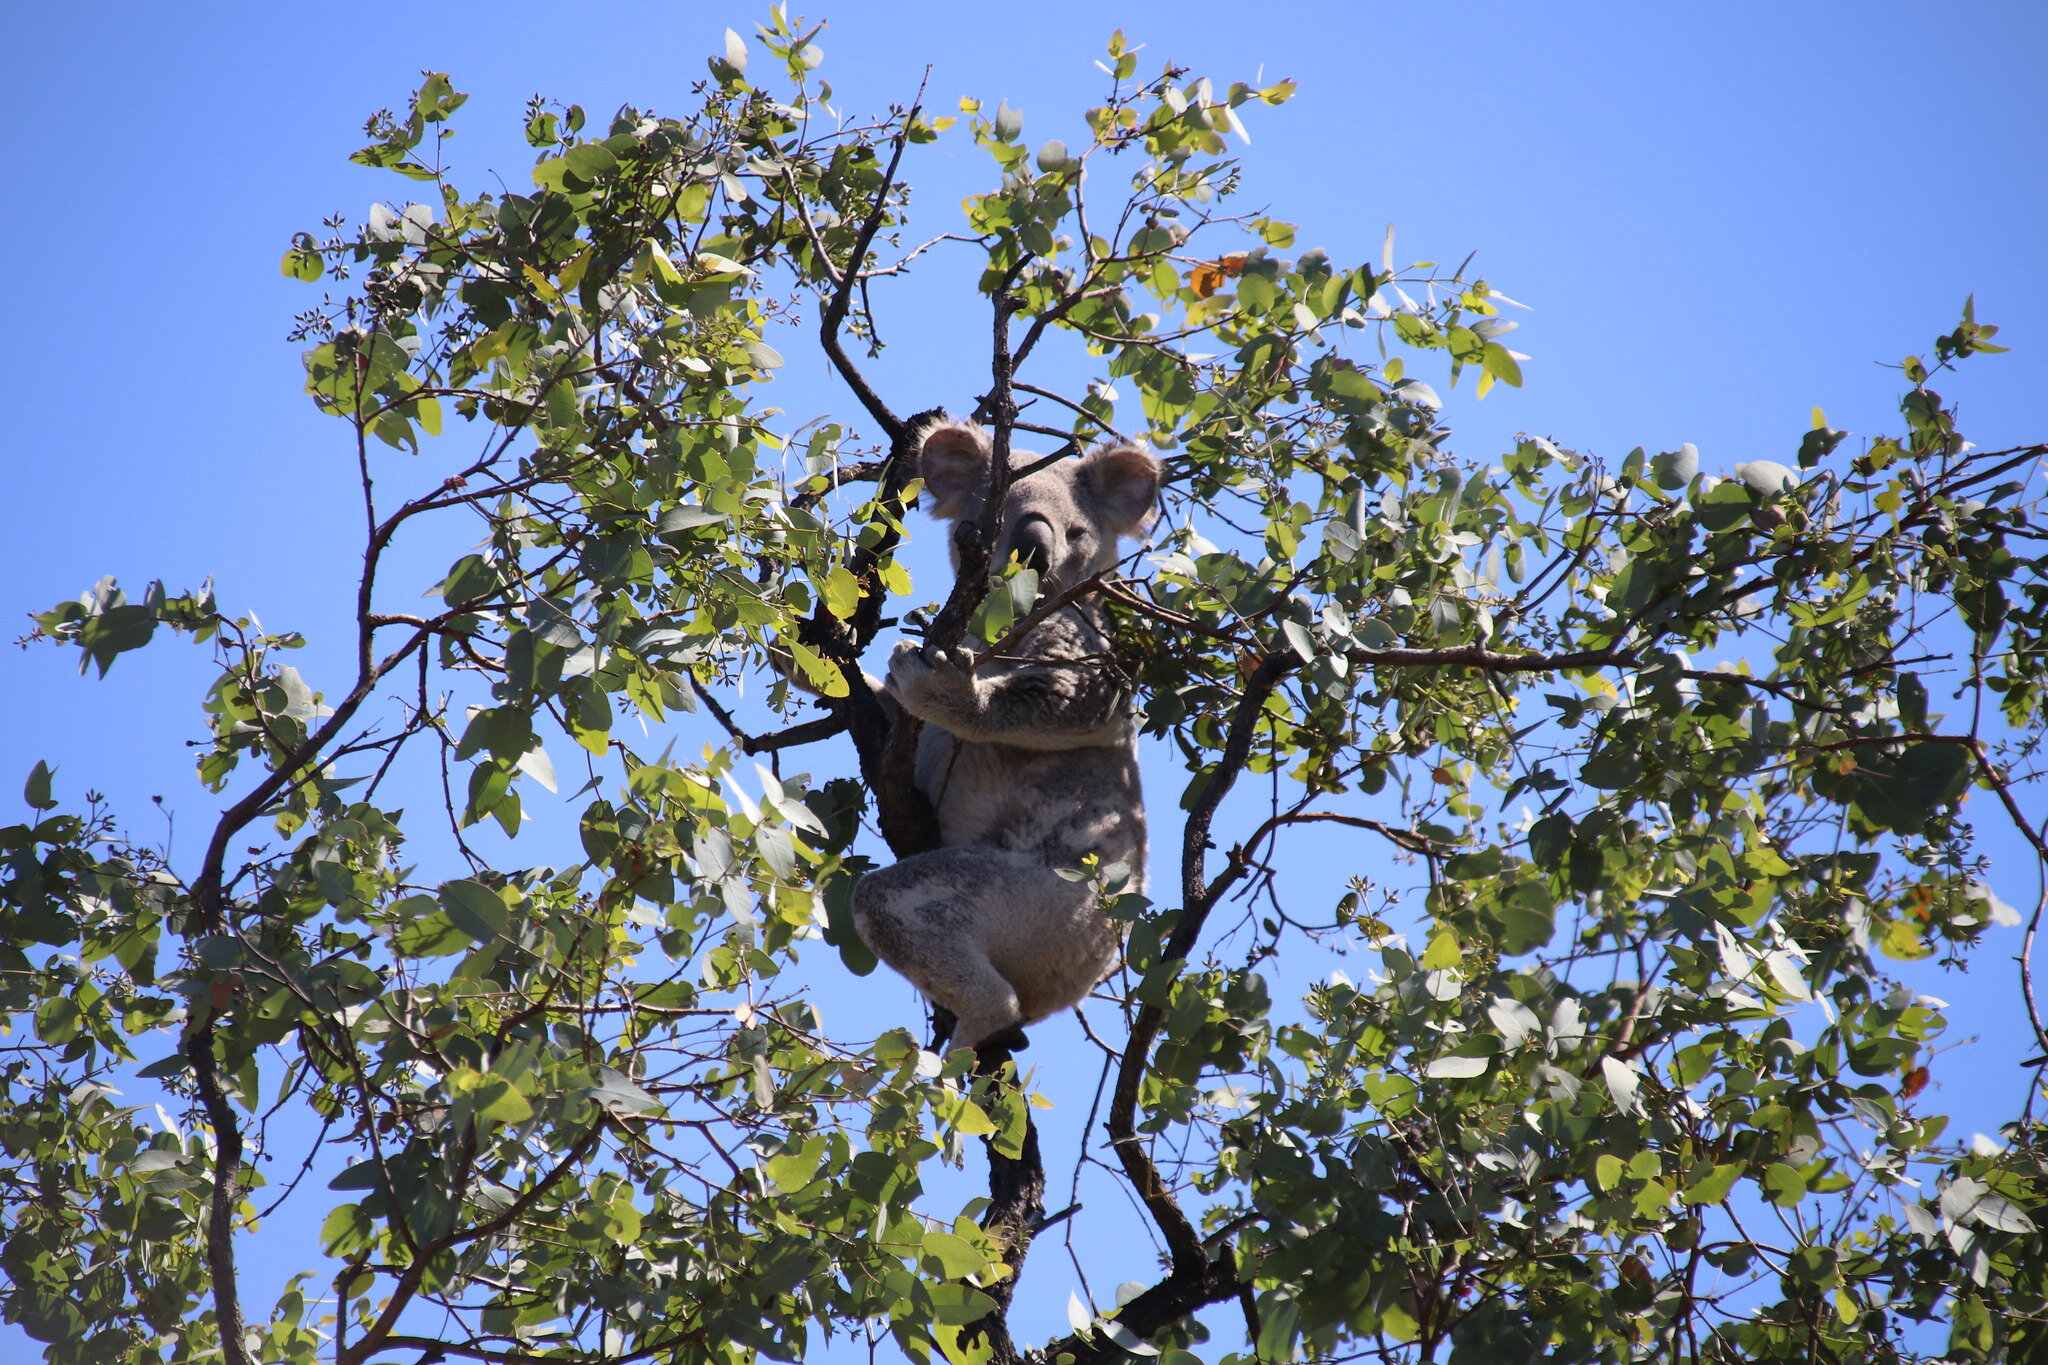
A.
pixel 1720 216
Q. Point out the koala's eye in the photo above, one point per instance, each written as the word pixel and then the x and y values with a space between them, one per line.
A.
pixel 1077 533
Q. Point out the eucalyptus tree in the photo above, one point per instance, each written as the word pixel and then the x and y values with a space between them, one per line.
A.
pixel 1655 768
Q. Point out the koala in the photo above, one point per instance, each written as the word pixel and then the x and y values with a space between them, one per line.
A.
pixel 1030 761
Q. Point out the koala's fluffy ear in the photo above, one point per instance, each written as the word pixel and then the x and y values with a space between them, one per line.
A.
pixel 1124 481
pixel 953 462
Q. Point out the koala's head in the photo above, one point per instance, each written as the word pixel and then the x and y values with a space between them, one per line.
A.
pixel 1063 520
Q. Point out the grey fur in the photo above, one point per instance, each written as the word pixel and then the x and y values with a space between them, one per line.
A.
pixel 1031 761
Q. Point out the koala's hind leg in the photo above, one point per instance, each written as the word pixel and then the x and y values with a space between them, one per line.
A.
pixel 970 926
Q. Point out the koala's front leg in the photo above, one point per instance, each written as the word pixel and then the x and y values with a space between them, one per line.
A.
pixel 942 693
pixel 1049 703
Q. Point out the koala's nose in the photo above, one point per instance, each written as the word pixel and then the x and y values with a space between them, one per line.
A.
pixel 1033 544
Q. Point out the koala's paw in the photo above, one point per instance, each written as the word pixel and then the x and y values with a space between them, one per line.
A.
pixel 924 685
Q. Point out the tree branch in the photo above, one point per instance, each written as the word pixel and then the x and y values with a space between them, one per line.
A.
pixel 836 306
pixel 804 732
pixel 1015 1216
pixel 973 540
pixel 1037 616
pixel 226 1193
pixel 886 746
pixel 1070 403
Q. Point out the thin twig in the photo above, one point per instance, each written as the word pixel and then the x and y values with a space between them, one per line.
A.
pixel 841 300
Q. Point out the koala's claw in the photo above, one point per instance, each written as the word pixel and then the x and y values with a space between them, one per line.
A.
pixel 906 662
pixel 914 673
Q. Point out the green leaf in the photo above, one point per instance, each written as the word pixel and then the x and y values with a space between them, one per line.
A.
pixel 590 161
pixel 957 1256
pixel 1888 801
pixel 1278 1319
pixel 2000 1215
pixel 475 909
pixel 1613 766
pixel 1457 1067
pixel 36 791
pixel 1549 839
pixel 1766 478
pixel 1526 924
pixel 1500 362
pixel 432 935
pixel 964 1115
pixel 1724 505
pixel 437 99
pixel 1912 701
pixel 841 592
pixel 303 261
pixel 1937 772
pixel 792 1171
pixel 1817 444
pixel 491 1098
pixel 1298 639
pixel 1903 942
pixel 1674 469
pixel 840 930
pixel 57 1020
pixel 1713 1187
pixel 619 1094
pixel 427 412
pixel 348 1230
pixel 472 579
pixel 777 850
pixel 114 631
pixel 817 670
pixel 1128 1340
pixel 687 517
pixel 1783 1184
pixel 1023 592
pixel 1374 633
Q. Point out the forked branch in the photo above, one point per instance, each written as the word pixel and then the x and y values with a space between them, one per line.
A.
pixel 847 280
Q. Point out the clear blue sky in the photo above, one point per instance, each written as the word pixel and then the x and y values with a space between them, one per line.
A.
pixel 1721 216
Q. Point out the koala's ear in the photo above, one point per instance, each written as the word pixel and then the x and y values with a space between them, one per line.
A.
pixel 1125 483
pixel 953 462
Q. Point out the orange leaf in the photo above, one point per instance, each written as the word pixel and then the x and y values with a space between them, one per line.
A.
pixel 1915 1082
pixel 1920 903
pixel 1207 276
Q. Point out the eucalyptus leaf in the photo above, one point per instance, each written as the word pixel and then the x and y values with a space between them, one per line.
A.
pixel 475 909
